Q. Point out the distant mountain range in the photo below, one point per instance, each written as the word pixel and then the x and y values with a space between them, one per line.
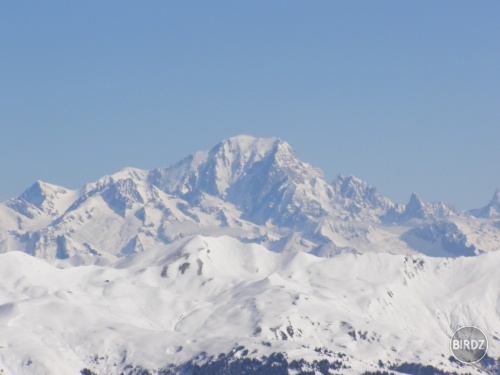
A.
pixel 253 189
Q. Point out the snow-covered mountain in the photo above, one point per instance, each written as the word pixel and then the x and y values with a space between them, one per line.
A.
pixel 358 199
pixel 209 305
pixel 491 210
pixel 241 259
pixel 253 189
pixel 417 210
pixel 262 178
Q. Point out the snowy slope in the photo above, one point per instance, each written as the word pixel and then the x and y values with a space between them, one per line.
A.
pixel 205 296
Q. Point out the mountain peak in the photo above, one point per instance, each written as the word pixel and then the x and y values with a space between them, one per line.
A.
pixel 418 209
pixel 130 172
pixel 246 146
pixel 42 197
pixel 260 176
pixel 215 170
pixel 37 193
pixel 249 140
pixel 415 201
pixel 496 196
pixel 124 174
pixel 492 209
pixel 415 209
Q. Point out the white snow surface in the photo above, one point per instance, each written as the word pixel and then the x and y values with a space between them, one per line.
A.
pixel 211 295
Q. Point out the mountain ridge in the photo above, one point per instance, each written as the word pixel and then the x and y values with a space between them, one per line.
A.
pixel 255 189
pixel 199 297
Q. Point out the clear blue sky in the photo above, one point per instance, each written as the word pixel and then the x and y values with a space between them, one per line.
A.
pixel 403 94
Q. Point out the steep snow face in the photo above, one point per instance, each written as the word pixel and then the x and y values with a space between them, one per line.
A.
pixel 491 210
pixel 203 296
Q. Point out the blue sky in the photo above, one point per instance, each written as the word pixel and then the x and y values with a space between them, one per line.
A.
pixel 403 94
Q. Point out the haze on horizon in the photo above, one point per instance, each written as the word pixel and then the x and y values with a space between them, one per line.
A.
pixel 402 95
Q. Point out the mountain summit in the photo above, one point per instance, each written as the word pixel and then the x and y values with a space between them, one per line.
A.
pixel 491 210
pixel 216 170
pixel 261 177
